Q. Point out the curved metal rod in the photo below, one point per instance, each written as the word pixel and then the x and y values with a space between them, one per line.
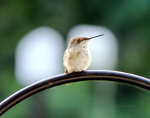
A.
pixel 73 77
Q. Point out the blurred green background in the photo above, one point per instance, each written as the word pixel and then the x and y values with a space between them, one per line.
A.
pixel 128 20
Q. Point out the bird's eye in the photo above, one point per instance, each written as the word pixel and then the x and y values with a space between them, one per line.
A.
pixel 79 40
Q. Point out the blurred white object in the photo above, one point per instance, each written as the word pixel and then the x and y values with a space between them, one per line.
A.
pixel 39 55
pixel 104 50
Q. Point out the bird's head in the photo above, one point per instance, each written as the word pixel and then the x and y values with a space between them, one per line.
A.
pixel 81 41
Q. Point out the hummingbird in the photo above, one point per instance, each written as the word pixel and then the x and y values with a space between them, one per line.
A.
pixel 77 56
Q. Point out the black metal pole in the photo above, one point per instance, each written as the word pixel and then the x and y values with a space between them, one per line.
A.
pixel 73 77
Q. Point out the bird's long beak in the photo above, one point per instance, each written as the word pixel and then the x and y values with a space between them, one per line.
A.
pixel 96 36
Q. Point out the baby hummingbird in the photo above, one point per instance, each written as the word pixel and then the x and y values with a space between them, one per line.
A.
pixel 77 56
